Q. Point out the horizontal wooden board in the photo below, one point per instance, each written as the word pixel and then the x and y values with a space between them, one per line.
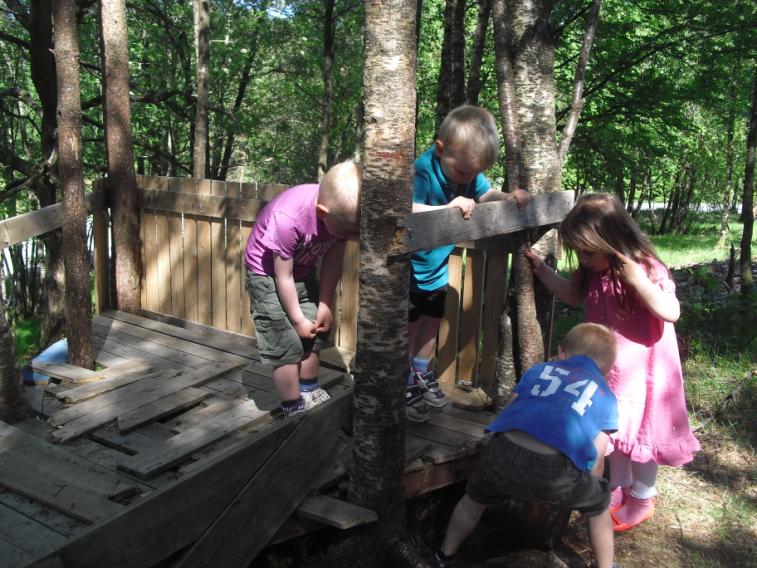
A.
pixel 165 406
pixel 335 512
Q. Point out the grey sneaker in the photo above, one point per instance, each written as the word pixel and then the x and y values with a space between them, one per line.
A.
pixel 415 407
pixel 314 397
pixel 432 392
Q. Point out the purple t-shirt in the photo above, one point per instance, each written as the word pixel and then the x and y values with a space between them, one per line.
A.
pixel 288 226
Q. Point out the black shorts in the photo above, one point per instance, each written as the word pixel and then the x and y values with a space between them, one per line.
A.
pixel 430 304
pixel 509 470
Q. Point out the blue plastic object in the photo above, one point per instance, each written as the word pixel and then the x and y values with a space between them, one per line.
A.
pixel 56 353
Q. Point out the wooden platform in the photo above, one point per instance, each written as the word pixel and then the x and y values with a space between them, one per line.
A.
pixel 171 450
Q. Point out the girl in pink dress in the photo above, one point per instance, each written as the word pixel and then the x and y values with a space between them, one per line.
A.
pixel 627 288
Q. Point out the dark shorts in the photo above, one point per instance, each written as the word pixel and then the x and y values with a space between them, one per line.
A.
pixel 278 342
pixel 509 470
pixel 430 304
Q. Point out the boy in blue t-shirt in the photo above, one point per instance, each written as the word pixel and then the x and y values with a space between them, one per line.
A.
pixel 447 175
pixel 549 443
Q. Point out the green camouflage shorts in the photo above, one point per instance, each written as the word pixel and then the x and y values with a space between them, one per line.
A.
pixel 278 342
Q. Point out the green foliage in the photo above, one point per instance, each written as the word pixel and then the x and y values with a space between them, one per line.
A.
pixel 26 335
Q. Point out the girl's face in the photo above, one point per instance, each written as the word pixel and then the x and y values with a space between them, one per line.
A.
pixel 594 261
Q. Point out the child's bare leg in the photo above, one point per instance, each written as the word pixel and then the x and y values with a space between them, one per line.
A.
pixel 464 519
pixel 309 366
pixel 601 537
pixel 424 338
pixel 287 381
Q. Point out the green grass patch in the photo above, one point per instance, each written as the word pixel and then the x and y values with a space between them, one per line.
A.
pixel 26 335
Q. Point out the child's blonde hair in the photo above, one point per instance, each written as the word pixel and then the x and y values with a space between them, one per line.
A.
pixel 340 191
pixel 471 130
pixel 593 340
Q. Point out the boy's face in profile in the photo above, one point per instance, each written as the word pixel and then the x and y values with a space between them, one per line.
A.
pixel 457 166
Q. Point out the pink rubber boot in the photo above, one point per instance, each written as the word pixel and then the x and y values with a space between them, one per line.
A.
pixel 634 512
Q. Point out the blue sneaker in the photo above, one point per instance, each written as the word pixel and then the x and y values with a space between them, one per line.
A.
pixel 415 407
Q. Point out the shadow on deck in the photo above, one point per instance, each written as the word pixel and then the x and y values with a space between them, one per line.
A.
pixel 173 447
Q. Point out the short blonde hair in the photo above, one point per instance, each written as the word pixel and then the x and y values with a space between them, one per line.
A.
pixel 472 130
pixel 340 191
pixel 593 340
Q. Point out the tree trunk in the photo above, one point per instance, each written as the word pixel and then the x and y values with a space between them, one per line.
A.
pixel 477 51
pixel 44 76
pixel 201 10
pixel 78 304
pixel 382 357
pixel 451 87
pixel 327 73
pixel 726 201
pixel 14 405
pixel 747 207
pixel 122 184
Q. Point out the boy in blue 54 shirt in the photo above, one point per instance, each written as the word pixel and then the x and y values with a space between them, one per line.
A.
pixel 550 443
pixel 447 175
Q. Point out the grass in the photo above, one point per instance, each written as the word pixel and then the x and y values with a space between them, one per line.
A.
pixel 26 336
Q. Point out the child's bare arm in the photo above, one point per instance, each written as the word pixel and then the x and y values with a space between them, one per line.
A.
pixel 331 272
pixel 600 444
pixel 662 304
pixel 464 204
pixel 521 197
pixel 283 270
pixel 564 289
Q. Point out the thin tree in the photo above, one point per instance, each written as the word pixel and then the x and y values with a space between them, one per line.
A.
pixel 381 359
pixel 122 184
pixel 747 204
pixel 14 405
pixel 450 91
pixel 327 72
pixel 201 9
pixel 475 80
pixel 78 304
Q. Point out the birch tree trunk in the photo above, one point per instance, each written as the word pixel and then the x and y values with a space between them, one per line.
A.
pixel 78 304
pixel 122 184
pixel 382 358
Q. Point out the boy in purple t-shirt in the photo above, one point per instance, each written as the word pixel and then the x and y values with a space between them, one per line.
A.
pixel 550 443
pixel 291 309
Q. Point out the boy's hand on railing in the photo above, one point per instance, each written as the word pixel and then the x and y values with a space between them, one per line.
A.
pixel 464 204
pixel 521 197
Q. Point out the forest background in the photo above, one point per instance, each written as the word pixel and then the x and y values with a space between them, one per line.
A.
pixel 669 91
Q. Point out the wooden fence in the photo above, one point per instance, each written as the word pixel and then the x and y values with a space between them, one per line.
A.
pixel 194 233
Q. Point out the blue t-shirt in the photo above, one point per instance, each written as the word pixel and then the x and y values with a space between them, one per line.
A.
pixel 564 404
pixel 430 187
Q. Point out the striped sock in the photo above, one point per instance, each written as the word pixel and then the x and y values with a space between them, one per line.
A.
pixel 309 385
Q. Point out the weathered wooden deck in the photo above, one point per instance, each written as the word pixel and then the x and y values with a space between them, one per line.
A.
pixel 172 451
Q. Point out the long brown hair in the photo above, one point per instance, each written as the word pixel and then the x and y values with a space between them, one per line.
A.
pixel 599 223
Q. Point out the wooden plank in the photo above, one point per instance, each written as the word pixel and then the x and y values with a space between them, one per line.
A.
pixel 91 414
pixel 162 251
pixel 178 449
pixel 150 263
pixel 174 516
pixel 435 477
pixel 234 260
pixel 495 293
pixel 431 229
pixel 78 375
pixel 470 318
pixel 27 225
pixel 335 512
pixel 249 191
pixel 142 335
pixel 191 268
pixel 54 477
pixel 171 404
pixel 438 435
pixel 346 333
pixel 203 205
pixel 176 252
pixel 27 534
pixel 84 392
pixel 218 262
pixel 456 424
pixel 446 349
pixel 204 260
pixel 50 518
pixel 231 540
pixel 13 556
pixel 143 440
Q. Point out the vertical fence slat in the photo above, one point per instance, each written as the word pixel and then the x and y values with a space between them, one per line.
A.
pixel 446 352
pixel 249 191
pixel 176 254
pixel 162 250
pixel 233 267
pixel 189 185
pixel 218 262
pixel 204 282
pixel 151 280
pixel 495 294
pixel 470 319
pixel 347 302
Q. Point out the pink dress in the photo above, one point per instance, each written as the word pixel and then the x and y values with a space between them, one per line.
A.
pixel 646 378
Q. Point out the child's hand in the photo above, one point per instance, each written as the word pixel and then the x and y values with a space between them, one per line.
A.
pixel 305 328
pixel 464 204
pixel 324 319
pixel 537 262
pixel 630 272
pixel 521 197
